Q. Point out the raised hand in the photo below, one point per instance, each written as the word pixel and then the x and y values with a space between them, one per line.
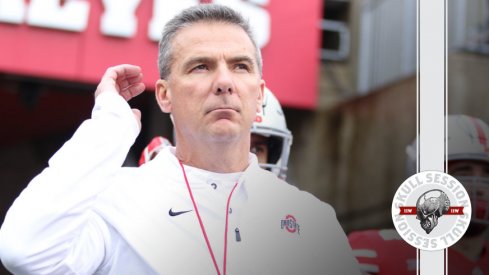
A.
pixel 124 79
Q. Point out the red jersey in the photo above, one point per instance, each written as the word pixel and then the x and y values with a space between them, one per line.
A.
pixel 459 264
pixel 384 252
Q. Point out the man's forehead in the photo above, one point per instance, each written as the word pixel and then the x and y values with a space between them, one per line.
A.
pixel 213 41
pixel 207 30
pixel 258 138
pixel 210 40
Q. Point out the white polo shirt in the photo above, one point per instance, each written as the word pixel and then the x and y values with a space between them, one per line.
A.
pixel 84 214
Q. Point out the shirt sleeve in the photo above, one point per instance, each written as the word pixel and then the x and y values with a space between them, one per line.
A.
pixel 338 251
pixel 50 228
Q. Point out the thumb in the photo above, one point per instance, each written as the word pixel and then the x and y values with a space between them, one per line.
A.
pixel 137 115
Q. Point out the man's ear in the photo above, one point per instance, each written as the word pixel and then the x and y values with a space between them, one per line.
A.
pixel 163 95
pixel 260 96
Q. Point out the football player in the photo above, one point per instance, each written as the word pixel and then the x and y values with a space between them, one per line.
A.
pixel 385 252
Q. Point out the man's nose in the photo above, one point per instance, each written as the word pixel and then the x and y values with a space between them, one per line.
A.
pixel 224 81
pixel 220 90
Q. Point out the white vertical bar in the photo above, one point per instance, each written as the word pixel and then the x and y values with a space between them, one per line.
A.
pixel 431 100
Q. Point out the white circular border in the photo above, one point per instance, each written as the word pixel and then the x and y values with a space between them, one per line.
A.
pixel 408 226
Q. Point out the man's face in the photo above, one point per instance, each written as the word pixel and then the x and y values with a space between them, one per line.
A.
pixel 214 89
pixel 472 168
pixel 477 185
pixel 259 146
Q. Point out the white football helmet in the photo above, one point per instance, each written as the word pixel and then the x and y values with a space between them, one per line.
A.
pixel 467 139
pixel 270 122
pixel 153 148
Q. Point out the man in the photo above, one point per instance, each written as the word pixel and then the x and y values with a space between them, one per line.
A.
pixel 270 138
pixel 203 207
pixel 384 251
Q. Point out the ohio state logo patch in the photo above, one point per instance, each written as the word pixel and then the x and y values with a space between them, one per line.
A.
pixel 290 224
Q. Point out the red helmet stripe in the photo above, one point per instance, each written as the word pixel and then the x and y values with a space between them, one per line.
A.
pixel 481 134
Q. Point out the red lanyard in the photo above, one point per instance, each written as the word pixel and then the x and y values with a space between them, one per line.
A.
pixel 202 224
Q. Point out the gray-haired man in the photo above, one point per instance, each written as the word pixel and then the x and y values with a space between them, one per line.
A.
pixel 203 207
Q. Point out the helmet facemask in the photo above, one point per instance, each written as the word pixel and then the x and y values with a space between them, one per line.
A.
pixel 478 190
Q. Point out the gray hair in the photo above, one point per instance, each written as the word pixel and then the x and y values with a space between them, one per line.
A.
pixel 200 13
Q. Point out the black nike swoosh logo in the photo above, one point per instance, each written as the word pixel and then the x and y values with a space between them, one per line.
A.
pixel 173 214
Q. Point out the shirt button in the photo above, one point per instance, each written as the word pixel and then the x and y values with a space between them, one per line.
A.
pixel 214 186
pixel 230 210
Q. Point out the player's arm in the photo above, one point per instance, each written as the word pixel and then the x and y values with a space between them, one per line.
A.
pixel 50 228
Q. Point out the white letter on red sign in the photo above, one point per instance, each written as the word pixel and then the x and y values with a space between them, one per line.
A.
pixel 258 16
pixel 119 18
pixel 72 16
pixel 163 11
pixel 12 11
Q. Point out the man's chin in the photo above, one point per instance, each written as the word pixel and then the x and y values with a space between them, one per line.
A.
pixel 225 131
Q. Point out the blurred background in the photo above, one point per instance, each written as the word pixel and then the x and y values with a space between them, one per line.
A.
pixel 344 71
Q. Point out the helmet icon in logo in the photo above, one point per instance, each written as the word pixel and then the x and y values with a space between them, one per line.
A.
pixel 430 206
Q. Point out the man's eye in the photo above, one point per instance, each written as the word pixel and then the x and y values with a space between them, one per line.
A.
pixel 241 66
pixel 200 67
pixel 257 149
